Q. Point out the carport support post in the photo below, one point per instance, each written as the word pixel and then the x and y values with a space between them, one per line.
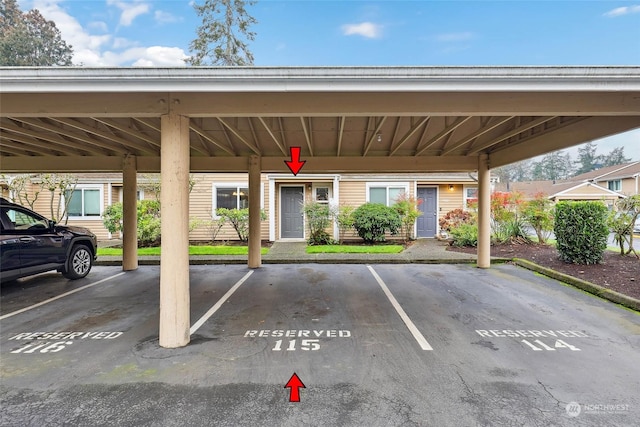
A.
pixel 129 214
pixel 255 260
pixel 484 212
pixel 174 211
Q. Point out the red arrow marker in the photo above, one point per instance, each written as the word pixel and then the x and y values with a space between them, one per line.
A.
pixel 294 383
pixel 295 164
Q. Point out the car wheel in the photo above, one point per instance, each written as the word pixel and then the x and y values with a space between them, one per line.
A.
pixel 79 263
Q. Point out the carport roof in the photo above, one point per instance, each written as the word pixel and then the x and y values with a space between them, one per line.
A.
pixel 358 119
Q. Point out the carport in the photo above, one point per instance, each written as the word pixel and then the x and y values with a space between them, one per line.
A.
pixel 408 119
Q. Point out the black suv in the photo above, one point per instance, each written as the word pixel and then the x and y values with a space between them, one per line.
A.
pixel 31 244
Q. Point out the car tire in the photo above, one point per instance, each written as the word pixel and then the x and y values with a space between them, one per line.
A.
pixel 79 262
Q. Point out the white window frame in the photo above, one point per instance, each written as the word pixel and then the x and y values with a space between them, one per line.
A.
pixel 328 186
pixel 139 194
pixel 465 197
pixel 237 186
pixel 617 183
pixel 83 217
pixel 404 185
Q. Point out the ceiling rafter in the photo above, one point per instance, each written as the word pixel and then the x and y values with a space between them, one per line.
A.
pixel 199 131
pixel 76 124
pixel 272 135
pixel 148 123
pixel 307 134
pixel 487 126
pixel 128 130
pixel 21 148
pixel 341 122
pixel 560 123
pixel 75 136
pixel 53 137
pixel 27 140
pixel 203 146
pixel 410 132
pixel 374 136
pixel 254 134
pixel 459 121
pixel 238 135
pixel 516 131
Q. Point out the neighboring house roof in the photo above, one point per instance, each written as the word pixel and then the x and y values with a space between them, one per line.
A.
pixel 625 170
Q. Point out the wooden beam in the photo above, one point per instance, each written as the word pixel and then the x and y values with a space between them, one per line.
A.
pixel 374 136
pixel 55 150
pixel 197 129
pixel 519 129
pixel 576 133
pixel 128 130
pixel 238 135
pixel 273 137
pixel 446 131
pixel 409 133
pixel 307 135
pixel 499 121
pixel 341 121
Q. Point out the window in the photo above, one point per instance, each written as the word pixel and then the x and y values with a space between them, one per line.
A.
pixel 21 220
pixel 321 195
pixel 615 185
pixel 232 196
pixel 84 202
pixel 386 193
pixel 470 196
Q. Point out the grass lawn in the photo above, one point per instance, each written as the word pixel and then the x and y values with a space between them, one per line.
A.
pixel 351 249
pixel 193 250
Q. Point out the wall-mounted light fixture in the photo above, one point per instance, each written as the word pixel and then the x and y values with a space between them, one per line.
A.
pixel 450 187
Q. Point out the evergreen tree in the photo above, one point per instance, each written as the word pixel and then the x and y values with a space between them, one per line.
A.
pixel 222 38
pixel 615 157
pixel 28 39
pixel 587 158
pixel 553 166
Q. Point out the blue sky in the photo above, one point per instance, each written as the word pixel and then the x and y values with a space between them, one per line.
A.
pixel 334 33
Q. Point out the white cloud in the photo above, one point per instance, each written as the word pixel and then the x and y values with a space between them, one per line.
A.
pixel 625 10
pixel 364 29
pixel 163 17
pixel 130 10
pixel 454 37
pixel 160 56
pixel 104 50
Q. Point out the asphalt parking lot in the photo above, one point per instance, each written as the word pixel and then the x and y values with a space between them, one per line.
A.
pixel 445 345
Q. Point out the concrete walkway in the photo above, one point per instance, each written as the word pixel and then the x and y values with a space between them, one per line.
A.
pixel 423 251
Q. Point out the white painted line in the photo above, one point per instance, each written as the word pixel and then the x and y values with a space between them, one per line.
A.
pixel 412 327
pixel 217 305
pixel 60 296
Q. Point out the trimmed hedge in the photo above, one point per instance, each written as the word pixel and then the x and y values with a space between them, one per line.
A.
pixel 581 231
pixel 372 220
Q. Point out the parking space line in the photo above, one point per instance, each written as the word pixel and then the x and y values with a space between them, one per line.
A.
pixel 60 296
pixel 217 305
pixel 412 327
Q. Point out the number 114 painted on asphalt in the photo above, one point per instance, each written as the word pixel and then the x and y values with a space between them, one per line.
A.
pixel 542 346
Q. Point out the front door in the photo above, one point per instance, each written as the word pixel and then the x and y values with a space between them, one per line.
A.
pixel 427 222
pixel 291 215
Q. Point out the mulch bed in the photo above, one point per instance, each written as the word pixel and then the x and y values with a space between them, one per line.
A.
pixel 618 273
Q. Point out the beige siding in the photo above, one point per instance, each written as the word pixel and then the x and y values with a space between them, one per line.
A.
pixel 629 186
pixel 449 199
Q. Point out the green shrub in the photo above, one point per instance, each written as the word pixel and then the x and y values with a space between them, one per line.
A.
pixel 148 221
pixel 409 211
pixel 538 213
pixel 372 220
pixel 344 217
pixel 318 219
pixel 464 235
pixel 581 231
pixel 239 219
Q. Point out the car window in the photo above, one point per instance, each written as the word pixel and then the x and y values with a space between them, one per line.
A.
pixel 22 221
